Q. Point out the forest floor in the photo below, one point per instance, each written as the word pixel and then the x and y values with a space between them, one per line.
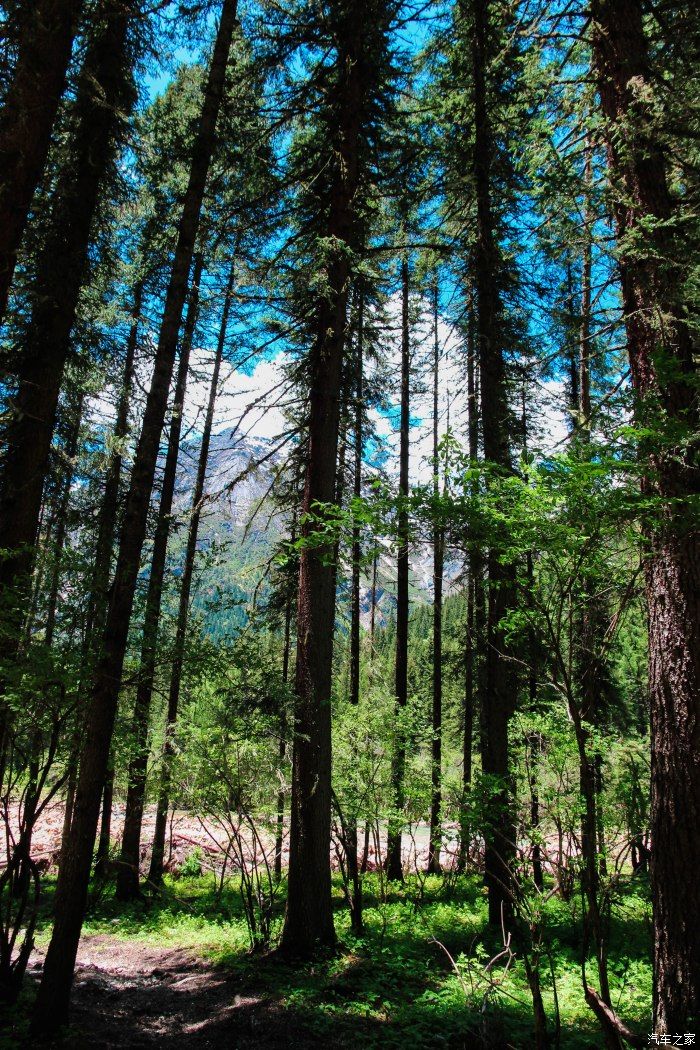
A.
pixel 130 995
pixel 177 970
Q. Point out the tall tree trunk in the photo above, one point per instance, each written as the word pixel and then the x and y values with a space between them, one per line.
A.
pixel 498 687
pixel 357 493
pixel 286 646
pixel 60 514
pixel 394 866
pixel 350 825
pixel 591 635
pixel 97 602
pixel 533 740
pixel 660 350
pixel 583 389
pixel 28 114
pixel 105 93
pixel 475 604
pixel 155 874
pixel 106 529
pixel 71 891
pixel 534 743
pixel 61 518
pixel 128 873
pixel 438 568
pixel 360 45
pixel 104 840
pixel 594 919
pixel 373 611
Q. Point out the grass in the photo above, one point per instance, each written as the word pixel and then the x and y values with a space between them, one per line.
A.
pixel 397 986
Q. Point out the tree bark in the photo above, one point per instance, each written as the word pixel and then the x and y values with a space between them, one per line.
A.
pixel 475 603
pixel 104 840
pixel 350 825
pixel 593 619
pixel 360 33
pixel 498 686
pixel 97 603
pixel 394 864
pixel 33 791
pixel 94 620
pixel 373 612
pixel 286 646
pixel 71 891
pixel 128 872
pixel 105 93
pixel 660 350
pixel 61 520
pixel 357 493
pixel 438 569
pixel 110 498
pixel 44 49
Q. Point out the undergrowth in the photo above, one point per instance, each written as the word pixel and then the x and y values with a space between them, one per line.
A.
pixel 416 978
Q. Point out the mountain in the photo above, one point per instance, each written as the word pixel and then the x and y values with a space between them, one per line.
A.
pixel 241 527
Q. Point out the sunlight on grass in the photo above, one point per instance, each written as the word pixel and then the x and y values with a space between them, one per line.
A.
pixel 418 971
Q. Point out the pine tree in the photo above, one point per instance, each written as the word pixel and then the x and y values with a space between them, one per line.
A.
pixel 661 350
pixel 71 891
pixel 350 90
pixel 128 875
pixel 155 873
pixel 45 37
pixel 105 95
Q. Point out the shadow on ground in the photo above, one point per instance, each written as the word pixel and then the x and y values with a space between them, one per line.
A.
pixel 132 996
pixel 174 971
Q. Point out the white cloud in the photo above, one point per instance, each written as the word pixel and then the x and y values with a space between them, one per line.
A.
pixel 254 402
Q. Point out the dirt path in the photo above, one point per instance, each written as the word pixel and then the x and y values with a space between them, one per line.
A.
pixel 130 995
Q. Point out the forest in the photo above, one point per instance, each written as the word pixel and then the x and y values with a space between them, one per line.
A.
pixel 349 502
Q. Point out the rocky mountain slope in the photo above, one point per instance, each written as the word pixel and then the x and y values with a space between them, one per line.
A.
pixel 241 528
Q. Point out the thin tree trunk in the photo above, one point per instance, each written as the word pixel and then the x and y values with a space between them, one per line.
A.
pixel 467 730
pixel 279 835
pixel 155 874
pixel 357 493
pixel 394 865
pixel 28 114
pixel 584 355
pixel 104 840
pixel 128 872
pixel 365 849
pixel 350 830
pixel 54 992
pixel 438 568
pixel 71 784
pixel 373 611
pixel 660 350
pixel 594 919
pixel 534 742
pixel 32 794
pixel 474 616
pixel 592 627
pixel 61 517
pixel 474 605
pixel 110 498
pixel 97 604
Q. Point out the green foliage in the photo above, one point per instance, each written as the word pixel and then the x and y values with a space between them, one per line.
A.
pixel 419 973
pixel 192 867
